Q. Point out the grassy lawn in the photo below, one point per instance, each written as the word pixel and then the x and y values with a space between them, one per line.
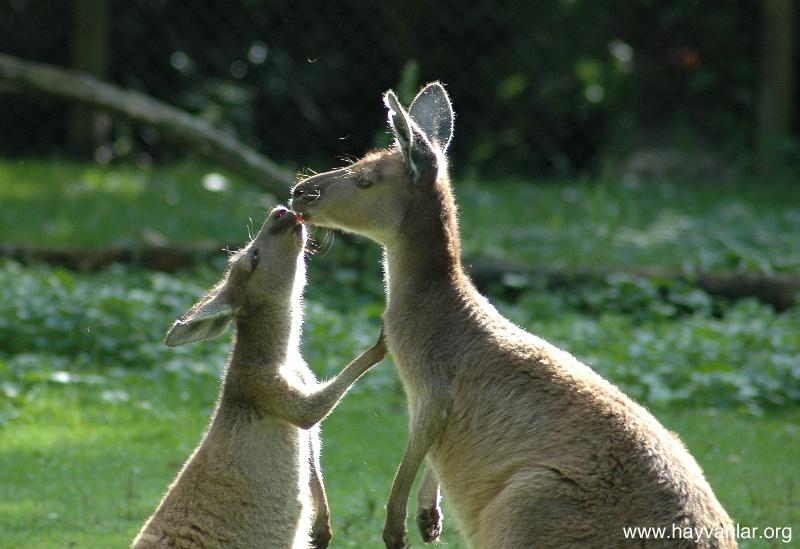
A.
pixel 744 226
pixel 97 415
pixel 82 466
pixel 60 202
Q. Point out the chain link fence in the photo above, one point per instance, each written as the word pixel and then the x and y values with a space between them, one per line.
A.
pixel 536 86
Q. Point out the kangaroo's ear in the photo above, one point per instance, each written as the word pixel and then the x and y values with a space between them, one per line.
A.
pixel 205 320
pixel 412 142
pixel 400 123
pixel 433 113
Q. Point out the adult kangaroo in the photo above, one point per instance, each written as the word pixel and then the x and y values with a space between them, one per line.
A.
pixel 532 447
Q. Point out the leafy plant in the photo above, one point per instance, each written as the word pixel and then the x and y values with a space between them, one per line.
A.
pixel 663 345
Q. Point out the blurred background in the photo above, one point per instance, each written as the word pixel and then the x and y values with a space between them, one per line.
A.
pixel 628 178
pixel 564 86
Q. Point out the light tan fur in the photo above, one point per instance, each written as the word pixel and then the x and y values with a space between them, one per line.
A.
pixel 532 447
pixel 255 479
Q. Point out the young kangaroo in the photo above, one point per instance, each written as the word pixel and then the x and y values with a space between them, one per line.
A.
pixel 532 448
pixel 248 483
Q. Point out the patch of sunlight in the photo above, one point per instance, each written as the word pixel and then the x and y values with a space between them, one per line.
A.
pixel 215 182
pixel 18 510
pixel 668 227
pixel 120 182
pixel 59 229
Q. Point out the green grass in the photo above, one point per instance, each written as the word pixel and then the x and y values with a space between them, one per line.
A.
pixel 56 202
pixel 747 226
pixel 81 466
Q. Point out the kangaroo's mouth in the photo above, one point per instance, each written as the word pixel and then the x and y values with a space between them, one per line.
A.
pixel 289 222
pixel 285 221
pixel 306 212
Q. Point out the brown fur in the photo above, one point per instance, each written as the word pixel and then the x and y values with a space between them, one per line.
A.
pixel 532 447
pixel 255 479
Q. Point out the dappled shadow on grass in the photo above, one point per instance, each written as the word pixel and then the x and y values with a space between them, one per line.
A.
pixel 744 226
pixel 748 227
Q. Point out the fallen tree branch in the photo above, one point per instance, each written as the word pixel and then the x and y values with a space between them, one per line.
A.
pixel 779 290
pixel 26 76
pixel 167 258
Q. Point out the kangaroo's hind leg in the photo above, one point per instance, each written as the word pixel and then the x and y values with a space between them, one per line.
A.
pixel 321 532
pixel 536 508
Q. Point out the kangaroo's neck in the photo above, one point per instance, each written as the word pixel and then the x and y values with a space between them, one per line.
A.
pixel 426 257
pixel 268 335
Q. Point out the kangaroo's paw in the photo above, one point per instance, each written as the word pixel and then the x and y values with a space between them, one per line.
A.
pixel 321 535
pixel 395 539
pixel 429 522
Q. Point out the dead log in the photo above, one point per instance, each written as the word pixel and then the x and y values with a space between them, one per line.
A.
pixel 167 258
pixel 779 290
pixel 192 131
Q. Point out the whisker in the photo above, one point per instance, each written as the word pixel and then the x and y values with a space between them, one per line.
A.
pixel 320 246
pixel 250 228
pixel 348 159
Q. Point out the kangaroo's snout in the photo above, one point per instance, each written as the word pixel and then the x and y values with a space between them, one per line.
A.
pixel 306 191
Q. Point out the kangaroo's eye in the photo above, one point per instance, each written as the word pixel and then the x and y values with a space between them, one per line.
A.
pixel 363 182
pixel 254 257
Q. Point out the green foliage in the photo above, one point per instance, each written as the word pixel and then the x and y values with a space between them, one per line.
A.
pixel 117 317
pixel 674 347
pixel 663 345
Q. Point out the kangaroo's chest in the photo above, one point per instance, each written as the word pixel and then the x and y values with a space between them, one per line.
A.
pixel 413 345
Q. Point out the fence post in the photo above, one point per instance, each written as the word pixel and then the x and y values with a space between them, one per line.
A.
pixel 89 53
pixel 775 98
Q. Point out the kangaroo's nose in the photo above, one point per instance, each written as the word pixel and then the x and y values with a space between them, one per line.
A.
pixel 306 192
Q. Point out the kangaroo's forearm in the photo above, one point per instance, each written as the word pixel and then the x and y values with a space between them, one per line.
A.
pixel 306 410
pixel 325 399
